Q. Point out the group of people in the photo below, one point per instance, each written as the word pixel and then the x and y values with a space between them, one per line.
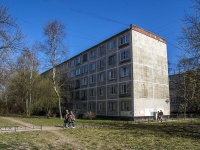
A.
pixel 69 119
pixel 160 115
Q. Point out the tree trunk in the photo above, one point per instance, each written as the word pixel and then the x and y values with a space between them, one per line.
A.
pixel 57 92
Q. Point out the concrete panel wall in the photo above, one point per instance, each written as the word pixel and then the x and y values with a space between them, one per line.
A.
pixel 150 75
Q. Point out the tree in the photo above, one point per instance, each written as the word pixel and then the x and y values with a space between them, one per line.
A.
pixel 22 84
pixel 54 49
pixel 10 41
pixel 189 63
pixel 45 96
pixel 27 64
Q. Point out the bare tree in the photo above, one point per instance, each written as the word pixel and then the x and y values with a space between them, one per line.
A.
pixel 189 63
pixel 55 50
pixel 28 64
pixel 10 40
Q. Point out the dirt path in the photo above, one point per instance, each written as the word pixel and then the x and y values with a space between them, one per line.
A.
pixel 46 128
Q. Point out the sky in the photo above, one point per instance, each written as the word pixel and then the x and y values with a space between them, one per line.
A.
pixel 88 22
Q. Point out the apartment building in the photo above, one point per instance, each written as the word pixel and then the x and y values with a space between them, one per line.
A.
pixel 124 75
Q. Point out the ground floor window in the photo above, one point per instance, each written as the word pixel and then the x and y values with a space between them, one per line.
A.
pixel 125 106
pixel 112 106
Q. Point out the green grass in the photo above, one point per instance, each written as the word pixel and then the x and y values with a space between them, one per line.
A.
pixel 57 121
pixel 6 123
pixel 174 135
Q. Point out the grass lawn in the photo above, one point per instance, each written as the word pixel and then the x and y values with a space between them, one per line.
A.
pixel 168 135
pixel 57 121
pixel 6 123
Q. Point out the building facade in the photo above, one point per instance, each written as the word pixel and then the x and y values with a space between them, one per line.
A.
pixel 125 75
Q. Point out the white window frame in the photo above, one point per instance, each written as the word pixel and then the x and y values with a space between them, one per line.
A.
pixel 78 71
pixel 100 91
pixel 72 73
pixel 93 66
pixel 101 77
pixel 84 81
pixel 111 75
pixel 101 49
pixel 92 53
pixel 101 63
pixel 112 106
pixel 78 60
pixel 124 39
pixel 67 65
pixel 84 69
pixel 112 44
pixel 100 106
pixel 90 106
pixel 112 90
pixel 83 94
pixel 72 63
pixel 124 71
pixel 92 79
pixel 112 59
pixel 125 106
pixel 91 92
pixel 124 55
pixel 85 57
pixel 124 88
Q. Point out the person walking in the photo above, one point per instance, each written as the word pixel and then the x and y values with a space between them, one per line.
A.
pixel 158 116
pixel 161 115
pixel 71 120
pixel 66 118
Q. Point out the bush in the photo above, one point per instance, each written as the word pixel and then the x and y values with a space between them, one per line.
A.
pixel 89 115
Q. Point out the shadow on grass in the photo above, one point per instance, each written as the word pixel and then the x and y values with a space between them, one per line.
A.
pixel 172 129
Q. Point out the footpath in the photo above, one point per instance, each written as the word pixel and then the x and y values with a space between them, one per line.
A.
pixel 26 126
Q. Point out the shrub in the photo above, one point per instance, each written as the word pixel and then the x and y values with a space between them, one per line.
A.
pixel 89 115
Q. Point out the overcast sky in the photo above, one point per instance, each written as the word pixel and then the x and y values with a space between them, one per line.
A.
pixel 88 22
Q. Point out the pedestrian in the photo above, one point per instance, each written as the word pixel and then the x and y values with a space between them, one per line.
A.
pixel 158 116
pixel 66 118
pixel 161 115
pixel 71 119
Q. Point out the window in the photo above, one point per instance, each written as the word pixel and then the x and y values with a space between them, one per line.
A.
pixel 100 92
pixel 125 106
pixel 78 60
pixel 84 69
pixel 83 95
pixel 92 79
pixel 67 65
pixel 100 106
pixel 124 39
pixel 85 57
pixel 124 55
pixel 112 106
pixel 112 90
pixel 124 88
pixel 112 59
pixel 92 54
pixel 84 81
pixel 78 71
pixel 77 95
pixel 124 72
pixel 77 83
pixel 72 63
pixel 85 107
pixel 101 50
pixel 91 92
pixel 101 77
pixel 111 74
pixel 101 63
pixel 72 73
pixel 92 66
pixel 90 106
pixel 111 45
